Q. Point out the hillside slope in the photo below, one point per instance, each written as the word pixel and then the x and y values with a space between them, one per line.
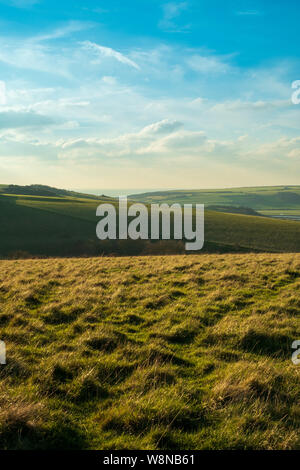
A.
pixel 63 226
pixel 258 198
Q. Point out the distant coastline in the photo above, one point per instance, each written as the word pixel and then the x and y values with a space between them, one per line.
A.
pixel 119 192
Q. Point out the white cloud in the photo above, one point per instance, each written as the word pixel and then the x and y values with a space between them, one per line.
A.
pixel 171 11
pixel 280 149
pixel 239 105
pixel 109 80
pixel 243 137
pixel 28 55
pixel 2 93
pixel 165 140
pixel 179 143
pixel 71 27
pixel 109 53
pixel 162 127
pixel 123 145
pixel 208 64
pixel 35 54
pixel 294 153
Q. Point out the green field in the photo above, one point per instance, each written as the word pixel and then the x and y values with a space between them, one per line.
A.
pixel 258 198
pixel 290 213
pixel 177 352
pixel 65 226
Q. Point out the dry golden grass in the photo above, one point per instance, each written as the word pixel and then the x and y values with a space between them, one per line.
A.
pixel 173 352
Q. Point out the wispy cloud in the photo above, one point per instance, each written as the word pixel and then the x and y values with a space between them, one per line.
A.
pixel 12 120
pixel 109 53
pixel 249 13
pixel 2 93
pixel 38 54
pixel 31 55
pixel 208 64
pixel 172 11
pixel 22 3
pixel 65 30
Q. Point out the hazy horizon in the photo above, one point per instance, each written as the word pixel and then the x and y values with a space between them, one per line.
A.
pixel 128 191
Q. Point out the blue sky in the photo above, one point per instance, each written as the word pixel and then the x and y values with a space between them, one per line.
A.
pixel 148 94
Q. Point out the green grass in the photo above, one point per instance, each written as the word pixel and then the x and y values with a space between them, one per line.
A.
pixel 40 228
pixel 64 226
pixel 178 352
pixel 283 211
pixel 258 198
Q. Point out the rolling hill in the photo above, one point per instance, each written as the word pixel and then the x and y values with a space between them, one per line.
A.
pixel 65 226
pixel 42 190
pixel 265 198
pixel 151 352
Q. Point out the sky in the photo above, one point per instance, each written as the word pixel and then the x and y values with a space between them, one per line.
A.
pixel 149 94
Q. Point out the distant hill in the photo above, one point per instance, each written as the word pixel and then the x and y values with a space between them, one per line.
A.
pixel 234 210
pixel 257 198
pixel 46 191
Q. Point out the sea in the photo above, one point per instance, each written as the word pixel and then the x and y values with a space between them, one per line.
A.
pixel 119 191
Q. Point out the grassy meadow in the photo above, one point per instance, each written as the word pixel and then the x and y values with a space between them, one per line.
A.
pixel 174 352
